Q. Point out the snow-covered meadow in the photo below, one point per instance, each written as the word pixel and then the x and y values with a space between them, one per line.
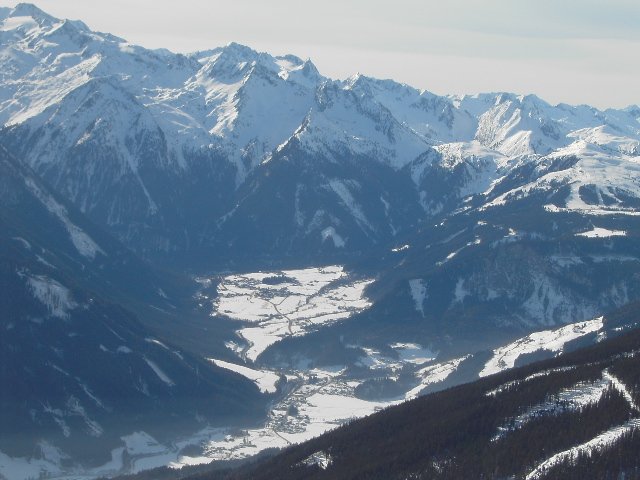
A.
pixel 275 305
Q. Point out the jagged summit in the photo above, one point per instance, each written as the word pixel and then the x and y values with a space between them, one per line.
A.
pixel 633 110
pixel 362 80
pixel 43 18
pixel 30 10
pixel 227 113
pixel 465 221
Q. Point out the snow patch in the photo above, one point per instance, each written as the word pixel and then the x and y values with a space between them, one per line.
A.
pixel 24 468
pixel 139 443
pixel 22 241
pixel 551 340
pixel 321 459
pixel 533 376
pixel 413 353
pixel 434 374
pixel 156 342
pixel 550 303
pixel 158 371
pixel 598 232
pixel 418 289
pixel 53 295
pixel 460 292
pixel 341 189
pixel 330 233
pixel 83 243
pixel 265 380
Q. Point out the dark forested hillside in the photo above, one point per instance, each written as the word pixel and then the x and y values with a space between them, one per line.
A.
pixel 574 416
pixel 78 369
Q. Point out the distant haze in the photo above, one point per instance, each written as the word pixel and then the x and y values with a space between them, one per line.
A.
pixel 569 51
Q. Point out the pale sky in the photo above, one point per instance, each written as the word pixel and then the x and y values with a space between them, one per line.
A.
pixel 573 51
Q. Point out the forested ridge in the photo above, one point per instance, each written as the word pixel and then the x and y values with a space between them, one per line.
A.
pixel 503 426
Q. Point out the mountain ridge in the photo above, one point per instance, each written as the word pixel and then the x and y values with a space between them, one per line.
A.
pixel 225 114
pixel 79 368
pixel 297 240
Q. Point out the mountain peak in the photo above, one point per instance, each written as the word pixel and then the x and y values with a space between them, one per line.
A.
pixel 355 78
pixel 533 100
pixel 219 62
pixel 30 10
pixel 232 59
pixel 309 69
pixel 240 50
pixel 358 81
pixel 293 59
pixel 633 110
pixel 365 82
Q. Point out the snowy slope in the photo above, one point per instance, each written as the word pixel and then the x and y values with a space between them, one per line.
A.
pixel 553 341
pixel 162 148
pixel 481 218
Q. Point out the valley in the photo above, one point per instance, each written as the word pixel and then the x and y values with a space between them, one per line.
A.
pixel 221 254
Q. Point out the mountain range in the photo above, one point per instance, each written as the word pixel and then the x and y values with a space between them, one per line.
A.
pixel 198 243
pixel 177 155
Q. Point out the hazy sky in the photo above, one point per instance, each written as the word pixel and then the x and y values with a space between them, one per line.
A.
pixel 574 51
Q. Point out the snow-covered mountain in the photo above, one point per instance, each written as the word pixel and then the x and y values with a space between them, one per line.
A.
pixel 167 151
pixel 403 232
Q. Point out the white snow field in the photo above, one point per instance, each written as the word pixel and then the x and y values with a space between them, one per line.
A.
pixel 551 340
pixel 598 232
pixel 265 380
pixel 287 303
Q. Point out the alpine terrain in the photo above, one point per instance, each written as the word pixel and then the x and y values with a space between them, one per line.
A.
pixel 209 256
pixel 572 417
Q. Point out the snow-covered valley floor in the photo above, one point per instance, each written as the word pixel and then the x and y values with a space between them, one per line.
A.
pixel 275 305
